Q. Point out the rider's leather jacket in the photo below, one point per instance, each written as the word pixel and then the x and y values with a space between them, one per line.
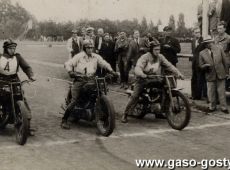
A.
pixel 9 66
pixel 147 66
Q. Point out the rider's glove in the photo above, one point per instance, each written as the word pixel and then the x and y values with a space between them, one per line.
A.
pixel 180 76
pixel 32 78
pixel 114 73
pixel 72 74
pixel 144 76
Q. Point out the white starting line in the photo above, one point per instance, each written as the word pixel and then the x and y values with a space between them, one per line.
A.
pixel 149 133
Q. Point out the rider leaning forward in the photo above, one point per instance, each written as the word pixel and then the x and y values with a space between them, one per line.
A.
pixel 85 64
pixel 9 66
pixel 150 63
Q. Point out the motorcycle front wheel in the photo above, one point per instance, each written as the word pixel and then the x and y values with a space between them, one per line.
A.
pixel 178 116
pixel 22 123
pixel 4 117
pixel 105 116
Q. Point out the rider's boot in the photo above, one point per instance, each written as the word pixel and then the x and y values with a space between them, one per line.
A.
pixel 124 118
pixel 64 124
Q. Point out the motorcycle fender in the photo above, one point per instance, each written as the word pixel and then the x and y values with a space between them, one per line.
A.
pixel 177 89
pixel 129 92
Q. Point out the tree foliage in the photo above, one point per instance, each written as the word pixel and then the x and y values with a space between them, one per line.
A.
pixel 14 19
pixel 172 22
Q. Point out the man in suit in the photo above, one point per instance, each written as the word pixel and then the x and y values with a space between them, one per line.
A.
pixel 212 60
pixel 137 47
pixel 198 82
pixel 107 52
pixel 99 40
pixel 170 46
pixel 121 50
pixel 74 44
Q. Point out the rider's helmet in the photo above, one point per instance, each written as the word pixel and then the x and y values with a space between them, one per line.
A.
pixel 9 43
pixel 153 43
pixel 87 44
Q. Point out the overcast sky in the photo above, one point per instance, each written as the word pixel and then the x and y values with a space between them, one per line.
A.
pixel 64 10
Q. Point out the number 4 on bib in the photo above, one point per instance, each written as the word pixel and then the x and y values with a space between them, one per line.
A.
pixel 7 67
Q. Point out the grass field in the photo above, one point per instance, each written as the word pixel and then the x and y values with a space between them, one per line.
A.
pixel 57 53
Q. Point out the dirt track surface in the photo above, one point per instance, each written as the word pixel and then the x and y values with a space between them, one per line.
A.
pixel 81 148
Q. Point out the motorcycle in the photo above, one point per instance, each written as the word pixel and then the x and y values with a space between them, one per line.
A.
pixel 14 109
pixel 163 99
pixel 93 105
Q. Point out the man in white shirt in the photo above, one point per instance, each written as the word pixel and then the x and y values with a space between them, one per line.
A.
pixel 73 44
pixel 85 63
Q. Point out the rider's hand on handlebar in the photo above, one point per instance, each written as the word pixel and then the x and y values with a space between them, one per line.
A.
pixel 181 76
pixel 114 73
pixel 32 78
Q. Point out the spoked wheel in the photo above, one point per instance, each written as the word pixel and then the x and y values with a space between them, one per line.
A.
pixel 22 123
pixel 4 117
pixel 179 116
pixel 105 116
pixel 140 111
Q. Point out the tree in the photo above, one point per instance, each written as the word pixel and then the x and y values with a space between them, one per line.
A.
pixel 181 29
pixel 159 22
pixel 143 26
pixel 172 22
pixel 13 19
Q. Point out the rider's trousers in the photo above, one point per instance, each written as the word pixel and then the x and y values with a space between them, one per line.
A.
pixel 138 88
pixel 75 91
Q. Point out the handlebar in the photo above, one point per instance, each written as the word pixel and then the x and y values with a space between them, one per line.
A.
pixel 16 82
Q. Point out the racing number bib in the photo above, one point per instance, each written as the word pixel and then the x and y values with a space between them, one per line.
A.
pixel 8 66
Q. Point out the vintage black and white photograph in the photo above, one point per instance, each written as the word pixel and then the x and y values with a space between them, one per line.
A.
pixel 114 84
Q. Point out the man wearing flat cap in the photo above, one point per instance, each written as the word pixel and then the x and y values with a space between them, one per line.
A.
pixel 213 61
pixel 90 34
pixel 74 44
pixel 170 46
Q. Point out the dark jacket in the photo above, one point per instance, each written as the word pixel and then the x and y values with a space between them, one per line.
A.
pixel 107 51
pixel 196 51
pixel 121 49
pixel 170 53
pixel 97 43
pixel 136 50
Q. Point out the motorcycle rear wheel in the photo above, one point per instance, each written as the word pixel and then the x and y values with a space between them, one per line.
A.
pixel 22 126
pixel 105 116
pixel 179 116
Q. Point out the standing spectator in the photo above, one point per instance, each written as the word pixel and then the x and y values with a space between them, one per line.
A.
pixel 223 39
pixel 137 47
pixel 212 60
pixel 149 36
pixel 107 52
pixel 90 34
pixel 198 82
pixel 170 46
pixel 83 32
pixel 99 40
pixel 74 44
pixel 121 49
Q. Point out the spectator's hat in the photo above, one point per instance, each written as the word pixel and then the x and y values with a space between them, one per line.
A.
pixel 154 43
pixel 208 39
pixel 89 29
pixel 167 28
pixel 74 31
pixel 106 34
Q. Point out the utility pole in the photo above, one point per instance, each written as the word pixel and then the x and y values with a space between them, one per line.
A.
pixel 205 6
